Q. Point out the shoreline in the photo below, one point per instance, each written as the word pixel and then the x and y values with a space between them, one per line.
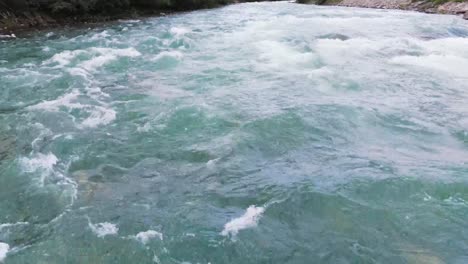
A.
pixel 423 6
pixel 28 22
pixel 23 25
pixel 28 17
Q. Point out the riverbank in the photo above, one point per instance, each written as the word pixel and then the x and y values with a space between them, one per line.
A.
pixel 20 16
pixel 18 19
pixel 14 24
pixel 427 6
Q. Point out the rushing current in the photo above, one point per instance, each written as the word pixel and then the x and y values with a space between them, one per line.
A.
pixel 253 133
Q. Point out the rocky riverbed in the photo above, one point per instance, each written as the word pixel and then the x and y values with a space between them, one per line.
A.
pixel 449 7
pixel 454 8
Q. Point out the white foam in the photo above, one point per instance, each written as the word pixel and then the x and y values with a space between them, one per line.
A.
pixel 99 116
pixel 4 248
pixel 98 61
pixel 8 36
pixel 453 65
pixel 455 201
pixel 145 237
pixel 427 197
pixel 96 92
pixel 54 105
pixel 169 54
pixel 79 72
pixel 145 128
pixel 101 35
pixel 275 54
pixel 449 46
pixel 447 55
pixel 248 220
pixel 29 65
pixel 101 56
pixel 104 229
pixel 63 58
pixel 106 55
pixel 7 225
pixel 129 20
pixel 179 31
pixel 341 52
pixel 40 162
pixel 211 164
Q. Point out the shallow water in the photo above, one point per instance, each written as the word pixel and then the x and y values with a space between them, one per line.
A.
pixel 254 133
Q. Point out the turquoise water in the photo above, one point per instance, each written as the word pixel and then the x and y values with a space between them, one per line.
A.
pixel 254 133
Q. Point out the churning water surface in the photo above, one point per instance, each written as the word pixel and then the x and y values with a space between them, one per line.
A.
pixel 254 133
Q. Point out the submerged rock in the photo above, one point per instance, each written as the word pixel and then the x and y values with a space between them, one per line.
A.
pixel 7 147
pixel 334 36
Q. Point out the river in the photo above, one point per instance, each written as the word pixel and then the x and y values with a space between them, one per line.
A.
pixel 253 133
